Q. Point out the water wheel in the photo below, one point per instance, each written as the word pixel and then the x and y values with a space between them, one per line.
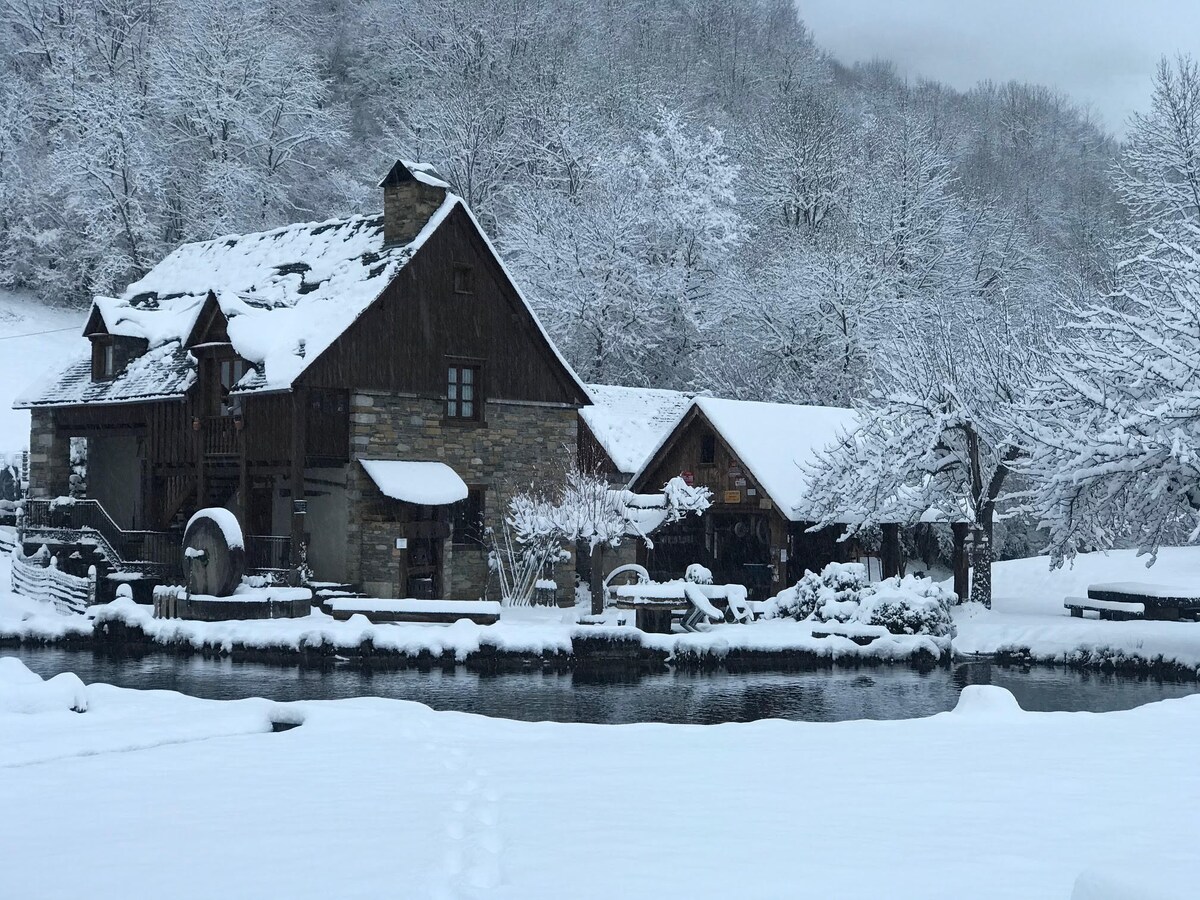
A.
pixel 214 555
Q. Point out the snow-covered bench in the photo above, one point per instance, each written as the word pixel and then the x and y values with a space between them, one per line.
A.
pixel 1117 610
pixel 1159 601
pixel 696 601
pixel 481 612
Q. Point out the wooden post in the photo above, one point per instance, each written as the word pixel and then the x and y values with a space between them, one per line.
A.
pixel 890 551
pixel 296 479
pixel 596 580
pixel 243 483
pixel 198 441
pixel 959 561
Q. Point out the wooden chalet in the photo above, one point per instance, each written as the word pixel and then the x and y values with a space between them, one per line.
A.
pixel 361 392
pixel 752 457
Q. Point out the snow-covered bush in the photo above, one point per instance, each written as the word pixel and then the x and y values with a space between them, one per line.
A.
pixel 698 574
pixel 908 605
pixel 841 593
pixel 832 595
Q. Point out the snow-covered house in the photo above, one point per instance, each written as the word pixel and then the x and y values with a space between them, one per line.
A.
pixel 623 425
pixel 355 390
pixel 753 457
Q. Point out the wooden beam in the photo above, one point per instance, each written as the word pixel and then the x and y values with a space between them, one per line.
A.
pixel 889 553
pixel 296 477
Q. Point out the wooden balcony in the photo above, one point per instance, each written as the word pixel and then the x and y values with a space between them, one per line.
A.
pixel 221 435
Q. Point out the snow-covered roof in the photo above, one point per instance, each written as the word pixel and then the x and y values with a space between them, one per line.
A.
pixel 287 294
pixel 424 483
pixel 630 423
pixel 775 442
pixel 161 373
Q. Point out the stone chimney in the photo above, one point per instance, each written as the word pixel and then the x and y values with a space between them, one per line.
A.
pixel 411 194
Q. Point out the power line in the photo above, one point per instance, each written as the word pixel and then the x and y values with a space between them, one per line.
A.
pixel 13 337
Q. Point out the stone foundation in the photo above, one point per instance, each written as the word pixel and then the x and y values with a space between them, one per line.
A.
pixel 49 457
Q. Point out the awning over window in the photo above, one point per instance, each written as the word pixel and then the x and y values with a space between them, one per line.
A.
pixel 424 483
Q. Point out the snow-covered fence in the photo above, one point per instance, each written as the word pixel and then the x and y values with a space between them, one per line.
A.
pixel 34 577
pixel 8 542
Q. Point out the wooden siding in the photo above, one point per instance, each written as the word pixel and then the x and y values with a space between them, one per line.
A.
pixel 402 342
pixel 744 539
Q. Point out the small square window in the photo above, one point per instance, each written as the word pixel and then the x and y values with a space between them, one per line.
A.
pixel 462 392
pixel 464 280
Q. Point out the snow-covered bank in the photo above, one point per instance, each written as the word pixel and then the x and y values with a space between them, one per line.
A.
pixel 1028 622
pixel 1027 619
pixel 408 802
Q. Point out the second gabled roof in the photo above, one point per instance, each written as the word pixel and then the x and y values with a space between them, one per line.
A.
pixel 775 442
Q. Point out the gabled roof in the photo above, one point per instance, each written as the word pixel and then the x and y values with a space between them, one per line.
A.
pixel 630 423
pixel 287 295
pixel 775 443
pixel 161 373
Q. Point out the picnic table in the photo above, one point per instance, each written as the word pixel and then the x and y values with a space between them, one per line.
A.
pixel 1136 600
pixel 657 603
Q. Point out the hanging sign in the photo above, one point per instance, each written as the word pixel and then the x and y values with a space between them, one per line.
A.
pixel 689 479
pixel 733 496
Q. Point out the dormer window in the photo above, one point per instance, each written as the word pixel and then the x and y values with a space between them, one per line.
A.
pixel 230 372
pixel 104 360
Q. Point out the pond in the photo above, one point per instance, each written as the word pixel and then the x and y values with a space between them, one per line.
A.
pixel 819 696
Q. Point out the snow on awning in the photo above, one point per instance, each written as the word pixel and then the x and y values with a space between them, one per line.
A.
pixel 424 483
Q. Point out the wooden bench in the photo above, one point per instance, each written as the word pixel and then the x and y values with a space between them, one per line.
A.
pixel 1115 610
pixel 428 612
pixel 1159 601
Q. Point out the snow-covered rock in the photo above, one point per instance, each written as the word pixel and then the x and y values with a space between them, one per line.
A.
pixel 23 691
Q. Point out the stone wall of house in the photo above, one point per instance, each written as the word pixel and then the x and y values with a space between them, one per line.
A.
pixel 49 457
pixel 516 446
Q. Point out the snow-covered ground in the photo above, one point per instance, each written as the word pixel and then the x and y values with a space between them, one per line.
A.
pixel 154 793
pixel 1027 614
pixel 24 359
pixel 1027 610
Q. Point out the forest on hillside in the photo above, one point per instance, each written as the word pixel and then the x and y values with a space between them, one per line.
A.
pixel 691 192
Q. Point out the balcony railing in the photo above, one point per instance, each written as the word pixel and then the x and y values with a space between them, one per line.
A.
pixel 222 435
pixel 268 552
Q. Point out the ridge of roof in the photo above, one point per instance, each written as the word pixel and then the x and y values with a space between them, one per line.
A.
pixel 773 441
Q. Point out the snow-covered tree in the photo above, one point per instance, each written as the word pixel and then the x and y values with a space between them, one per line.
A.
pixel 936 441
pixel 583 511
pixel 1115 427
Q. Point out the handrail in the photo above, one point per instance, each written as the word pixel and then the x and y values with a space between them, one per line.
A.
pixel 141 548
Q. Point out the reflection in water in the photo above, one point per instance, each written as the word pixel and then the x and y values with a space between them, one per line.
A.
pixel 824 696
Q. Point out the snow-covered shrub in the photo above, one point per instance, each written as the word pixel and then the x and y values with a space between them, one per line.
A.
pixel 698 574
pixel 908 605
pixel 841 593
pixel 832 595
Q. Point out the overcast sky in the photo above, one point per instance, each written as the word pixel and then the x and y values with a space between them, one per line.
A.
pixel 1100 52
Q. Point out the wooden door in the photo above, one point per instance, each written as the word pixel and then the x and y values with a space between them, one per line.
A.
pixel 425 530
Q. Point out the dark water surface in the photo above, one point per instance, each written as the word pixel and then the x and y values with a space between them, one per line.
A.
pixel 820 696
